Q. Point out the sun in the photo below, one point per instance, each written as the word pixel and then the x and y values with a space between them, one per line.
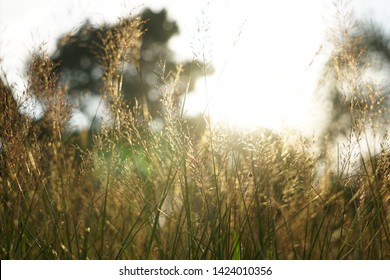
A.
pixel 264 74
pixel 252 102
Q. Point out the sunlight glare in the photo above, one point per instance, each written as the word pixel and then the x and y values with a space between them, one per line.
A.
pixel 265 80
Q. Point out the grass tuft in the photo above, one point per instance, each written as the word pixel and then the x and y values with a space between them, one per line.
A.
pixel 129 192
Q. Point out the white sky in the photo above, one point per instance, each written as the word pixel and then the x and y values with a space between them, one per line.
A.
pixel 261 49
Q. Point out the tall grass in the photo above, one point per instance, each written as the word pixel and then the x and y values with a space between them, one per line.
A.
pixel 131 193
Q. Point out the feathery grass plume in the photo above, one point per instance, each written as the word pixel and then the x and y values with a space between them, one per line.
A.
pixel 119 44
pixel 358 100
pixel 139 193
pixel 357 122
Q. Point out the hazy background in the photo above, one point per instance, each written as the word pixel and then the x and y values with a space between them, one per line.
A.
pixel 265 53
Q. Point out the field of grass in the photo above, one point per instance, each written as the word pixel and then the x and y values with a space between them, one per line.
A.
pixel 124 192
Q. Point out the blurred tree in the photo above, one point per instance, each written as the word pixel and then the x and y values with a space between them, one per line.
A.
pixel 8 106
pixel 355 80
pixel 81 69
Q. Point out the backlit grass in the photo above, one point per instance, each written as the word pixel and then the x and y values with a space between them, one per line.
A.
pixel 126 192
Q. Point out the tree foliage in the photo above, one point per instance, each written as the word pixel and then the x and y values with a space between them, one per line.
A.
pixel 84 58
pixel 355 78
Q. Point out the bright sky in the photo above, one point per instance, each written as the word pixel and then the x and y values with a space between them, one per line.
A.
pixel 261 50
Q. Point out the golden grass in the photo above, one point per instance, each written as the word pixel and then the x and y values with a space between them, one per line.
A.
pixel 124 192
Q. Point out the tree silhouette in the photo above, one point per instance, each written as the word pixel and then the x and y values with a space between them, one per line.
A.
pixel 355 80
pixel 81 68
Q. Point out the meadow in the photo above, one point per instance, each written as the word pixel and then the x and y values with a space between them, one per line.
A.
pixel 193 189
